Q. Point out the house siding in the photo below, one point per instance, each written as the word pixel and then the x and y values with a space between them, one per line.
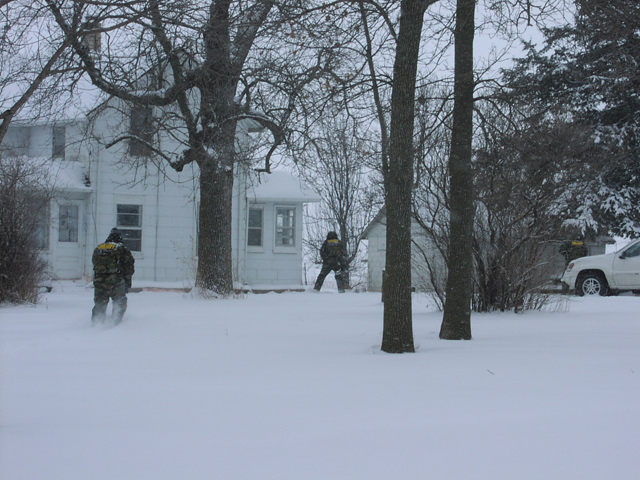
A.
pixel 271 265
pixel 169 202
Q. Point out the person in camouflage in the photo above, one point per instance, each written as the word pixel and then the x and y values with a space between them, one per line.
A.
pixel 332 253
pixel 113 268
pixel 573 249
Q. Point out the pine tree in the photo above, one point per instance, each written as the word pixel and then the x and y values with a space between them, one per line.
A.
pixel 589 73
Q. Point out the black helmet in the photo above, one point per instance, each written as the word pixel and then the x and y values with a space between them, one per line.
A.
pixel 332 236
pixel 114 236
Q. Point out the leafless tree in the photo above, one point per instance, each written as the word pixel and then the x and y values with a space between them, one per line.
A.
pixel 532 176
pixel 456 323
pixel 24 199
pixel 37 75
pixel 337 166
pixel 200 68
pixel 431 193
pixel 397 336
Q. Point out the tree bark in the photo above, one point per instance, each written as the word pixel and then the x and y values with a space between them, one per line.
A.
pixel 215 263
pixel 456 323
pixel 397 336
pixel 217 84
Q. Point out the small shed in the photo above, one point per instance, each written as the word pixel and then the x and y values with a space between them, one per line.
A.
pixel 421 246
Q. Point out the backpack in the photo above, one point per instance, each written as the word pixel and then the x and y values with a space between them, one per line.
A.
pixel 106 258
pixel 334 248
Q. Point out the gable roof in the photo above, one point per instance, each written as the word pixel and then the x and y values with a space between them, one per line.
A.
pixel 70 105
pixel 380 216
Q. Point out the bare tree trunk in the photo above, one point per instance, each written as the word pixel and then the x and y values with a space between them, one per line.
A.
pixel 218 87
pixel 456 323
pixel 397 336
pixel 215 263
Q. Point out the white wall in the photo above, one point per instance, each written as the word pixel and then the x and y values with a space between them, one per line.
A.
pixel 169 202
pixel 271 265
pixel 377 252
pixel 377 257
pixel 66 176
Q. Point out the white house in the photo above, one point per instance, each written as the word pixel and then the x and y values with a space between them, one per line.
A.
pixel 155 208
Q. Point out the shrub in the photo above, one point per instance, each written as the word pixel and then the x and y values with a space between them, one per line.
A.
pixel 24 201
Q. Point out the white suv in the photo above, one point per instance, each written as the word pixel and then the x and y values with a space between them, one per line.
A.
pixel 606 274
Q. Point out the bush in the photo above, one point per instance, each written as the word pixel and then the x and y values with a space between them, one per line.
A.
pixel 23 206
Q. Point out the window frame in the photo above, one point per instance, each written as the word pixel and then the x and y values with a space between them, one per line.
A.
pixel 250 228
pixel 278 229
pixel 69 234
pixel 131 233
pixel 41 229
pixel 140 126
pixel 58 149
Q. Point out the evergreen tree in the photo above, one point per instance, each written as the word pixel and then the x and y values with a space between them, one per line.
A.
pixel 589 74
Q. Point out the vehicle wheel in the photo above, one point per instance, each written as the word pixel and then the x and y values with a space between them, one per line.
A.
pixel 592 284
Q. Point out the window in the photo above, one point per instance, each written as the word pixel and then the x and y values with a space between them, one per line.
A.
pixel 92 40
pixel 59 141
pixel 68 223
pixel 285 226
pixel 254 232
pixel 41 230
pixel 141 127
pixel 633 251
pixel 129 222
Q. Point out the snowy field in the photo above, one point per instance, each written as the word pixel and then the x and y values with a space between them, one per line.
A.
pixel 294 387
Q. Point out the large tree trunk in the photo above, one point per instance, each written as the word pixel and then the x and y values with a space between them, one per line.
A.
pixel 397 336
pixel 218 89
pixel 456 323
pixel 215 263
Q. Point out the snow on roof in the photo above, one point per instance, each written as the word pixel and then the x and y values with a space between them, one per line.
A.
pixel 69 105
pixel 281 186
pixel 69 176
pixel 63 175
pixel 379 218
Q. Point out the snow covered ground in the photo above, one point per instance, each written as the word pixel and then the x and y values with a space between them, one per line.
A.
pixel 294 386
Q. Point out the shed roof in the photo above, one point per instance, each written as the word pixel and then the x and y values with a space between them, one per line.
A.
pixel 379 218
